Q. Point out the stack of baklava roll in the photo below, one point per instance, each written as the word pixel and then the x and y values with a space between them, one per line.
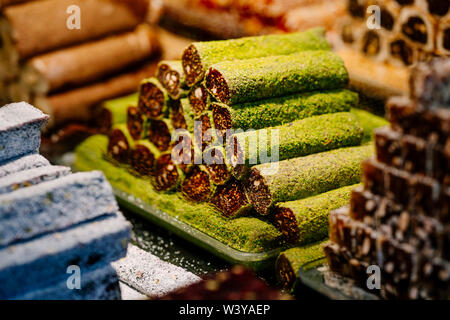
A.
pixel 66 56
pixel 399 219
pixel 409 30
pixel 259 125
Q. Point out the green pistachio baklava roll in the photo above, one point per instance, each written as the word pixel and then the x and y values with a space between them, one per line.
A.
pixel 299 178
pixel 240 81
pixel 290 261
pixel 230 200
pixel 199 56
pixel 188 113
pixel 137 123
pixel 115 111
pixel 171 76
pixel 199 99
pixel 197 185
pixel 176 115
pixel 281 110
pixel 120 143
pixel 166 176
pixel 153 99
pixel 306 220
pixel 217 164
pixel 297 139
pixel 160 133
pixel 143 157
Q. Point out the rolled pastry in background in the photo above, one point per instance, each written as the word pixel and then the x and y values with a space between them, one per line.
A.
pixel 4 3
pixel 418 28
pixel 400 52
pixel 349 33
pixel 321 14
pixel 89 62
pixel 374 44
pixel 443 37
pixel 98 18
pixel 77 104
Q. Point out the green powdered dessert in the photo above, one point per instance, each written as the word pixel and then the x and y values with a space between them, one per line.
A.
pixel 199 99
pixel 120 143
pixel 199 56
pixel 233 82
pixel 281 110
pixel 248 234
pixel 369 122
pixel 197 185
pixel 153 99
pixel 115 111
pixel 230 200
pixel 303 177
pixel 289 262
pixel 143 157
pixel 160 133
pixel 296 139
pixel 136 123
pixel 217 164
pixel 306 220
pixel 171 76
pixel 166 175
pixel 188 113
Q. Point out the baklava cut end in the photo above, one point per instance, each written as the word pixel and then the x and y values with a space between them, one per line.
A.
pixel 183 151
pixel 142 160
pixel 217 166
pixel 159 134
pixel 237 158
pixel 207 136
pixel 192 65
pixel 217 85
pixel 170 80
pixel 197 186
pixel 198 98
pixel 118 146
pixel 151 100
pixel 286 276
pixel 177 118
pixel 258 192
pixel 285 221
pixel 135 123
pixel 166 176
pixel 221 118
pixel 231 200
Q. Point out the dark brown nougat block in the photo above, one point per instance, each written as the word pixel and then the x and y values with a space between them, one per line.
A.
pixel 423 194
pixel 406 118
pixel 412 154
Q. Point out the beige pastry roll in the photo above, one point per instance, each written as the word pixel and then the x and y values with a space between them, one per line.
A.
pixel 418 28
pixel 443 37
pixel 77 104
pixel 40 26
pixel 89 62
pixel 322 14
